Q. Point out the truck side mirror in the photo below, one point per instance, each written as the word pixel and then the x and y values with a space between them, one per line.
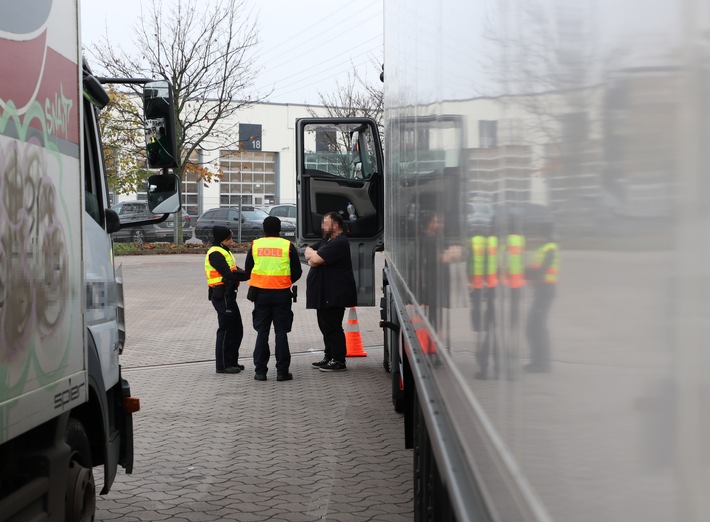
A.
pixel 163 194
pixel 113 222
pixel 160 136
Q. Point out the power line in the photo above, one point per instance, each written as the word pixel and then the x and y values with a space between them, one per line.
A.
pixel 336 69
pixel 308 33
pixel 315 44
pixel 316 80
pixel 322 63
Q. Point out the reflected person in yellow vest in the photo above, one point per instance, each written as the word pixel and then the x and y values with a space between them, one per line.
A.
pixel 514 280
pixel 484 284
pixel 223 277
pixel 273 266
pixel 542 276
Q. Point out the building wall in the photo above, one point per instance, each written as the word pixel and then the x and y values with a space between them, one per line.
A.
pixel 278 137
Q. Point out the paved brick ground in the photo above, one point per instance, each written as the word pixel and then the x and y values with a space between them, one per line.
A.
pixel 226 447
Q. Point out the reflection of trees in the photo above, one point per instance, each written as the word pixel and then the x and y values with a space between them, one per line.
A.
pixel 602 136
pixel 557 80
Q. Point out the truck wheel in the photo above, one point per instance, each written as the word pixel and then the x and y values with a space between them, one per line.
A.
pixel 80 498
pixel 138 236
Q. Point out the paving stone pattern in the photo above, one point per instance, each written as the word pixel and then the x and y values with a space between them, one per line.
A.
pixel 325 446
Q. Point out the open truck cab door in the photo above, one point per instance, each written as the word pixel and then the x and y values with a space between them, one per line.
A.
pixel 340 168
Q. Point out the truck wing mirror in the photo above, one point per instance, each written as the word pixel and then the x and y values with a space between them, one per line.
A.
pixel 113 222
pixel 163 194
pixel 160 135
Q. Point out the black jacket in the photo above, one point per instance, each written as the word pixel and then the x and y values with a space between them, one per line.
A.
pixel 332 284
pixel 230 278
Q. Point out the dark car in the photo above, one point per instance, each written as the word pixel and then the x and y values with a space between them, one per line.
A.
pixel 252 224
pixel 130 211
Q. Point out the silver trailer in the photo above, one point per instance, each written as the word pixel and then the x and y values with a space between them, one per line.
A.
pixel 541 207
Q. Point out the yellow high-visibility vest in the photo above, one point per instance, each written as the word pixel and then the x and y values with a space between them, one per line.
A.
pixel 214 278
pixel 516 268
pixel 492 263
pixel 478 246
pixel 272 265
pixel 553 270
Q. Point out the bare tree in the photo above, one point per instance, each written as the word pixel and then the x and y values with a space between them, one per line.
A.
pixel 355 98
pixel 205 50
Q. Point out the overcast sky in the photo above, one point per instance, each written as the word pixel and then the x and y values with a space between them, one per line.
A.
pixel 305 45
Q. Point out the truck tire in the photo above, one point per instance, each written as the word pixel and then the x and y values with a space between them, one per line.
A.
pixel 80 498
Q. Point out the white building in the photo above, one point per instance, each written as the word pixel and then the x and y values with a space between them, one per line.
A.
pixel 262 172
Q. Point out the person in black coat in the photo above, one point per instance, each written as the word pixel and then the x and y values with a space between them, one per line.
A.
pixel 223 277
pixel 330 288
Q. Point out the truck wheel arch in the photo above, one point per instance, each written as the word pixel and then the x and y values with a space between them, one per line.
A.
pixel 94 413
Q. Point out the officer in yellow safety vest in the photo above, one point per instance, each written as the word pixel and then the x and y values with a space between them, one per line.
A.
pixel 542 275
pixel 223 278
pixel 484 282
pixel 514 279
pixel 273 266
pixel 477 272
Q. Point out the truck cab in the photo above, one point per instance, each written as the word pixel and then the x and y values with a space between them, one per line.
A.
pixel 340 168
pixel 65 407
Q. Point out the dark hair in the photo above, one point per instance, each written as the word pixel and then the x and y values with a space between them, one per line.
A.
pixel 335 218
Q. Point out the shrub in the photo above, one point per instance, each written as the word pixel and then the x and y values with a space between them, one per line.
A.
pixel 137 249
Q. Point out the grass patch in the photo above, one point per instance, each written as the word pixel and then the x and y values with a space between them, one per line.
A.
pixel 138 249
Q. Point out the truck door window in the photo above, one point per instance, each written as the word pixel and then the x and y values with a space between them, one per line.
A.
pixel 93 195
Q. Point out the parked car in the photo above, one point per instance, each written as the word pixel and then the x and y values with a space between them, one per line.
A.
pixel 252 224
pixel 284 211
pixel 129 211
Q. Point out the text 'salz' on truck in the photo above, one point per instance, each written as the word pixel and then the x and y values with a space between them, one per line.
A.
pixel 64 407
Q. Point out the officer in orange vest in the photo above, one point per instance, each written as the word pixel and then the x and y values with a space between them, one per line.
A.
pixel 273 266
pixel 542 275
pixel 223 278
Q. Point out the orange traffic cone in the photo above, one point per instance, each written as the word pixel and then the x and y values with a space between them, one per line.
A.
pixel 353 340
pixel 422 333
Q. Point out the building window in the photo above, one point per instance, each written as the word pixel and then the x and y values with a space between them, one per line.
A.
pixel 488 133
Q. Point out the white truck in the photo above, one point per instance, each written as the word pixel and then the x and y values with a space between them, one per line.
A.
pixel 64 406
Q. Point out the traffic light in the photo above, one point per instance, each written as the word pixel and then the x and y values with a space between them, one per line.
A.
pixel 160 135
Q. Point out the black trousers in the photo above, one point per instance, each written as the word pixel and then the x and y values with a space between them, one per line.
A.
pixel 490 341
pixel 537 333
pixel 330 322
pixel 230 332
pixel 272 306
